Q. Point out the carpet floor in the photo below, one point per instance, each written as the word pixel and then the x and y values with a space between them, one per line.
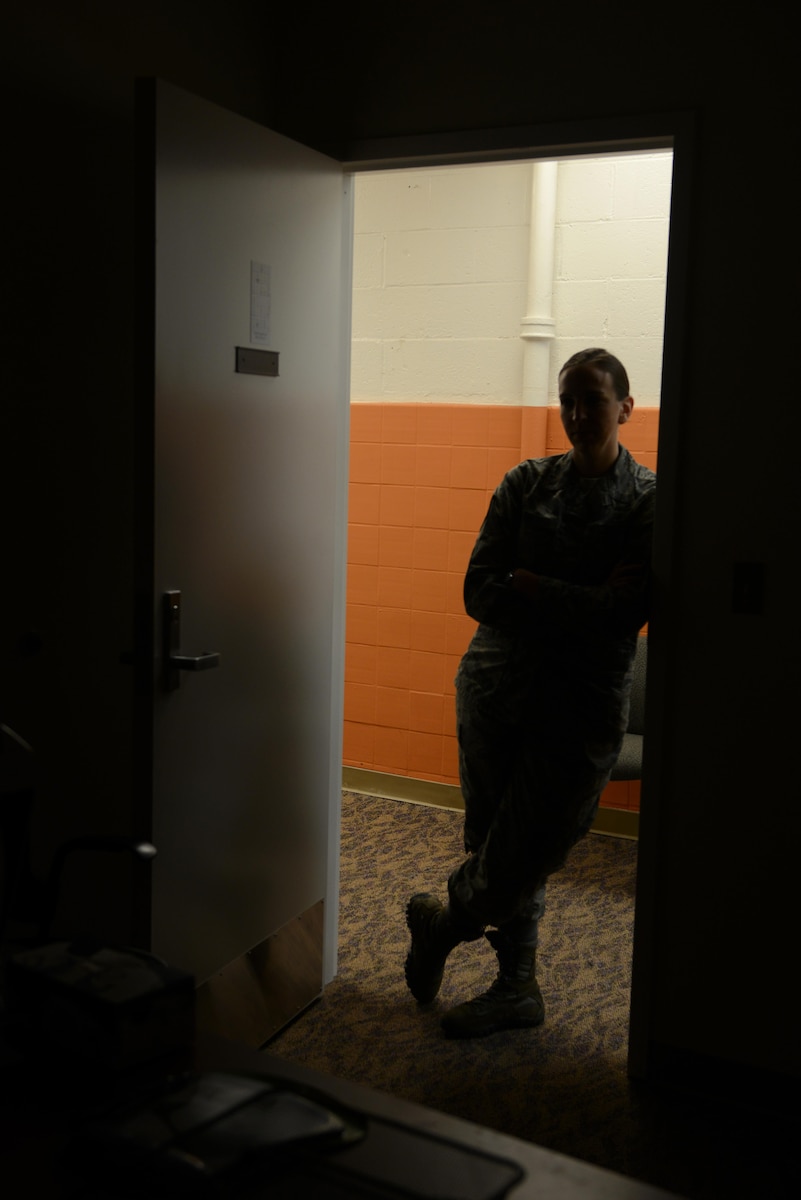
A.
pixel 563 1085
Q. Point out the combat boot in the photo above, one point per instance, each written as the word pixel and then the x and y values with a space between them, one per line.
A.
pixel 514 1000
pixel 435 931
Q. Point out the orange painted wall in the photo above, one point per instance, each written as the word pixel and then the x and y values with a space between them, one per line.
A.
pixel 421 477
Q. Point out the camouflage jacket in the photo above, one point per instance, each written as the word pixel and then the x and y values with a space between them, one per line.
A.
pixel 571 532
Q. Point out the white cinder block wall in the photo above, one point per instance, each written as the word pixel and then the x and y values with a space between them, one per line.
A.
pixel 440 276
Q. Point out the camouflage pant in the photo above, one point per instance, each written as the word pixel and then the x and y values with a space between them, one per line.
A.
pixel 531 777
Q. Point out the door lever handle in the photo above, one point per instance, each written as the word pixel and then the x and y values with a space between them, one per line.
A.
pixel 173 661
pixel 200 662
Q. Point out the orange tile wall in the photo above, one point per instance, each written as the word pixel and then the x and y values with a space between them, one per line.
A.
pixel 421 477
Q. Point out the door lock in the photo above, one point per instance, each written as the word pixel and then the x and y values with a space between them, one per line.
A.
pixel 173 661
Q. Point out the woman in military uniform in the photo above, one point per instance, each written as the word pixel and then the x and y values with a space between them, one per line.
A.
pixel 558 582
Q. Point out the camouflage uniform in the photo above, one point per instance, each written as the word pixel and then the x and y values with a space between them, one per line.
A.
pixel 542 692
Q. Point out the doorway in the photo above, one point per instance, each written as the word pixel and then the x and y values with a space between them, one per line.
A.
pixel 588 145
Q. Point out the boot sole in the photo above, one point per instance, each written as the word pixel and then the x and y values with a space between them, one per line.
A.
pixel 422 995
pixel 457 1030
pixel 454 1032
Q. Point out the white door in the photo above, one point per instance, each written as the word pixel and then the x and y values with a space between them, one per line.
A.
pixel 253 242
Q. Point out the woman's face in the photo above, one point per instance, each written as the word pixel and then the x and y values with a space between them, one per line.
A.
pixel 590 410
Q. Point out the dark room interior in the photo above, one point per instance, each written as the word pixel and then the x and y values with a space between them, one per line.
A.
pixel 714 995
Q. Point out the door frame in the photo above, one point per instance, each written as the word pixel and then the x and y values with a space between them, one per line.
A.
pixel 590 138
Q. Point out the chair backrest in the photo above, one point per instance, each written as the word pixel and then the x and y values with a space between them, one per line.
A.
pixel 637 710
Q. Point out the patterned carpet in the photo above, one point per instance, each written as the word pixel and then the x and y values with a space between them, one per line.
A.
pixel 563 1085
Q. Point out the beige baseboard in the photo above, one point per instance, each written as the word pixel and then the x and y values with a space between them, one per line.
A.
pixel 615 822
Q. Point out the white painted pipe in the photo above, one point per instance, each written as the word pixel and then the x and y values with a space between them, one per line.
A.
pixel 537 327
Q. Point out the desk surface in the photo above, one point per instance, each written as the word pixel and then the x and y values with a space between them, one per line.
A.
pixel 34 1137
